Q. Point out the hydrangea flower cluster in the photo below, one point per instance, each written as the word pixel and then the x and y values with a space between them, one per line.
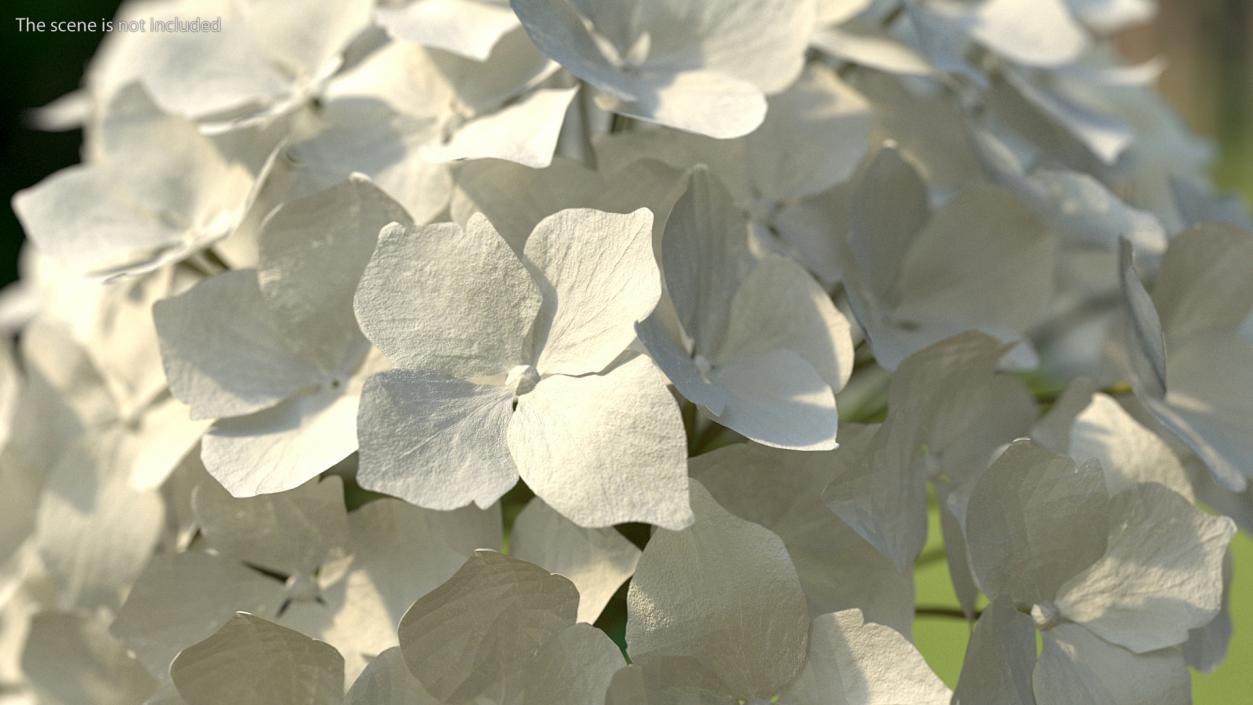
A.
pixel 377 353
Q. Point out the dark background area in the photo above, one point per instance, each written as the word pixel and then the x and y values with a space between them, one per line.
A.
pixel 38 68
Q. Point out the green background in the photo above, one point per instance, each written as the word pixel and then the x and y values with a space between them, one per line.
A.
pixel 1209 80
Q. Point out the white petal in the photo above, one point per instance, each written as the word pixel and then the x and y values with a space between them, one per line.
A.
pixel 400 553
pixel 1034 521
pixel 172 170
pixel 387 681
pixel 704 256
pixel 1207 646
pixel 164 436
pixel 1128 452
pixel 365 136
pixel 289 532
pixel 463 27
pixel 999 659
pixel 525 132
pixel 205 74
pixel 598 276
pixel 422 82
pixel 1077 668
pixel 867 664
pixel 82 217
pixel 251 661
pixel 983 262
pixel 283 447
pixel 573 668
pixel 667 680
pixel 776 398
pixel 754 637
pixel 436 441
pixel 837 11
pixel 1032 32
pixel 1107 16
pixel 1201 285
pixel 782 491
pixel 183 598
pixel 814 136
pixel 882 499
pixel 679 367
pixel 605 449
pixel 94 532
pixel 703 102
pixel 597 561
pixel 475 633
pixel 74 659
pixel 1160 577
pixel 223 351
pixel 304 41
pixel 1106 137
pixel 312 253
pixel 516 198
pixel 1146 344
pixel 448 299
pixel 780 306
pixel 875 51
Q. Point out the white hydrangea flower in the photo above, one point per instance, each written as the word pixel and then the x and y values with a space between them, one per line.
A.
pixel 768 349
pixel 1114 583
pixel 704 67
pixel 900 263
pixel 511 367
pixel 1189 363
pixel 468 109
pixel 469 28
pixel 618 251
pixel 268 58
pixel 299 558
pixel 274 353
pixel 159 192
pixel 948 413
pixel 782 491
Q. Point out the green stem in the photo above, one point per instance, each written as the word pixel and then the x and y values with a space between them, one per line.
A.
pixel 939 611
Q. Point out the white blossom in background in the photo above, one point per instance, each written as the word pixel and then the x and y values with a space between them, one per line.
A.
pixel 575 352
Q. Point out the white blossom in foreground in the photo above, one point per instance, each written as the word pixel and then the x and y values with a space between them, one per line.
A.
pixel 273 353
pixel 1113 582
pixel 513 367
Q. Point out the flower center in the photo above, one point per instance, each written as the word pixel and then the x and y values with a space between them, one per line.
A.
pixel 1045 615
pixel 303 588
pixel 522 379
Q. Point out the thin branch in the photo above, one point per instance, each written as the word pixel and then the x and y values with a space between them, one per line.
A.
pixel 938 611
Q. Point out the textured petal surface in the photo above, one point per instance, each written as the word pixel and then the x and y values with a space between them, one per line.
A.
pixel 597 561
pixel 1034 521
pixel 223 350
pixel 447 299
pixel 605 449
pixel 852 662
pixel 1160 577
pixel 753 638
pixel 598 277
pixel 475 634
pixel 434 440
pixel 1077 668
pixel 251 661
